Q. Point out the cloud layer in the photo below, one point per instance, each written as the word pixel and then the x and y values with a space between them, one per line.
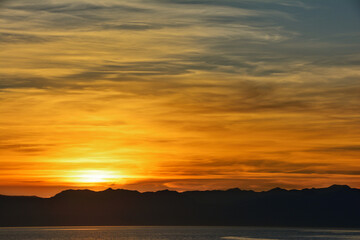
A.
pixel 181 94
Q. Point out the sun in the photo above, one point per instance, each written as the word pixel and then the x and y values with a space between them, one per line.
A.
pixel 94 176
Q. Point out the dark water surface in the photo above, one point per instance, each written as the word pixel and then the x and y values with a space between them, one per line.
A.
pixel 175 233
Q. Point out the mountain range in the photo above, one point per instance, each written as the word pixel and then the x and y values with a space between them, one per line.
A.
pixel 335 206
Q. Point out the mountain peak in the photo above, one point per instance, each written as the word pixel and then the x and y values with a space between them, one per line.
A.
pixel 72 192
pixel 277 189
pixel 339 187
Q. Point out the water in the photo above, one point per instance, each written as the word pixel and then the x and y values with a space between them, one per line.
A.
pixel 175 233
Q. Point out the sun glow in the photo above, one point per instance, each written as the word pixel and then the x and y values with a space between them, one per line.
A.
pixel 95 176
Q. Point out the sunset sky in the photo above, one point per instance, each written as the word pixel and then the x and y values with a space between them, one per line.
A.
pixel 178 94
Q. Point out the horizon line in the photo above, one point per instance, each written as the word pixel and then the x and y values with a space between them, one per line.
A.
pixel 339 186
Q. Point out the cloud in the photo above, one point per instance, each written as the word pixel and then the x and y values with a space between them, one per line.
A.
pixel 73 7
pixel 13 38
pixel 10 81
pixel 330 172
pixel 343 148
pixel 141 26
pixel 25 148
pixel 132 26
pixel 237 3
pixel 234 167
pixel 258 90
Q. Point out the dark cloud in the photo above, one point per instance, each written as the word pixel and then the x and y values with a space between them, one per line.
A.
pixel 140 26
pixel 3 2
pixel 232 167
pixel 338 149
pixel 13 38
pixel 149 69
pixel 257 96
pixel 67 16
pixel 25 148
pixel 239 3
pixel 134 27
pixel 74 7
pixel 146 78
pixel 337 171
pixel 17 82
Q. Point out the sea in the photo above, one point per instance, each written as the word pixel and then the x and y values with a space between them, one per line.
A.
pixel 175 233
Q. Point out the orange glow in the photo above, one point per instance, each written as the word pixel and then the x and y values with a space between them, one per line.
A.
pixel 93 176
pixel 150 95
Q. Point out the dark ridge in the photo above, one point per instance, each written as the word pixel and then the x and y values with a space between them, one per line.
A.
pixel 335 206
pixel 339 187
pixel 72 192
pixel 278 190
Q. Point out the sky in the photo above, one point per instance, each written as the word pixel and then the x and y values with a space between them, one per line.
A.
pixel 178 94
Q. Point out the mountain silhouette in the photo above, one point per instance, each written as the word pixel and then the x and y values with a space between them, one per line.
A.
pixel 335 206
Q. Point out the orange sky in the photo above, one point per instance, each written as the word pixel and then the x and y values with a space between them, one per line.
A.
pixel 181 95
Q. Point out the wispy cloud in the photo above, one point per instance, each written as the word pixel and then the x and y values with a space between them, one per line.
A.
pixel 266 90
